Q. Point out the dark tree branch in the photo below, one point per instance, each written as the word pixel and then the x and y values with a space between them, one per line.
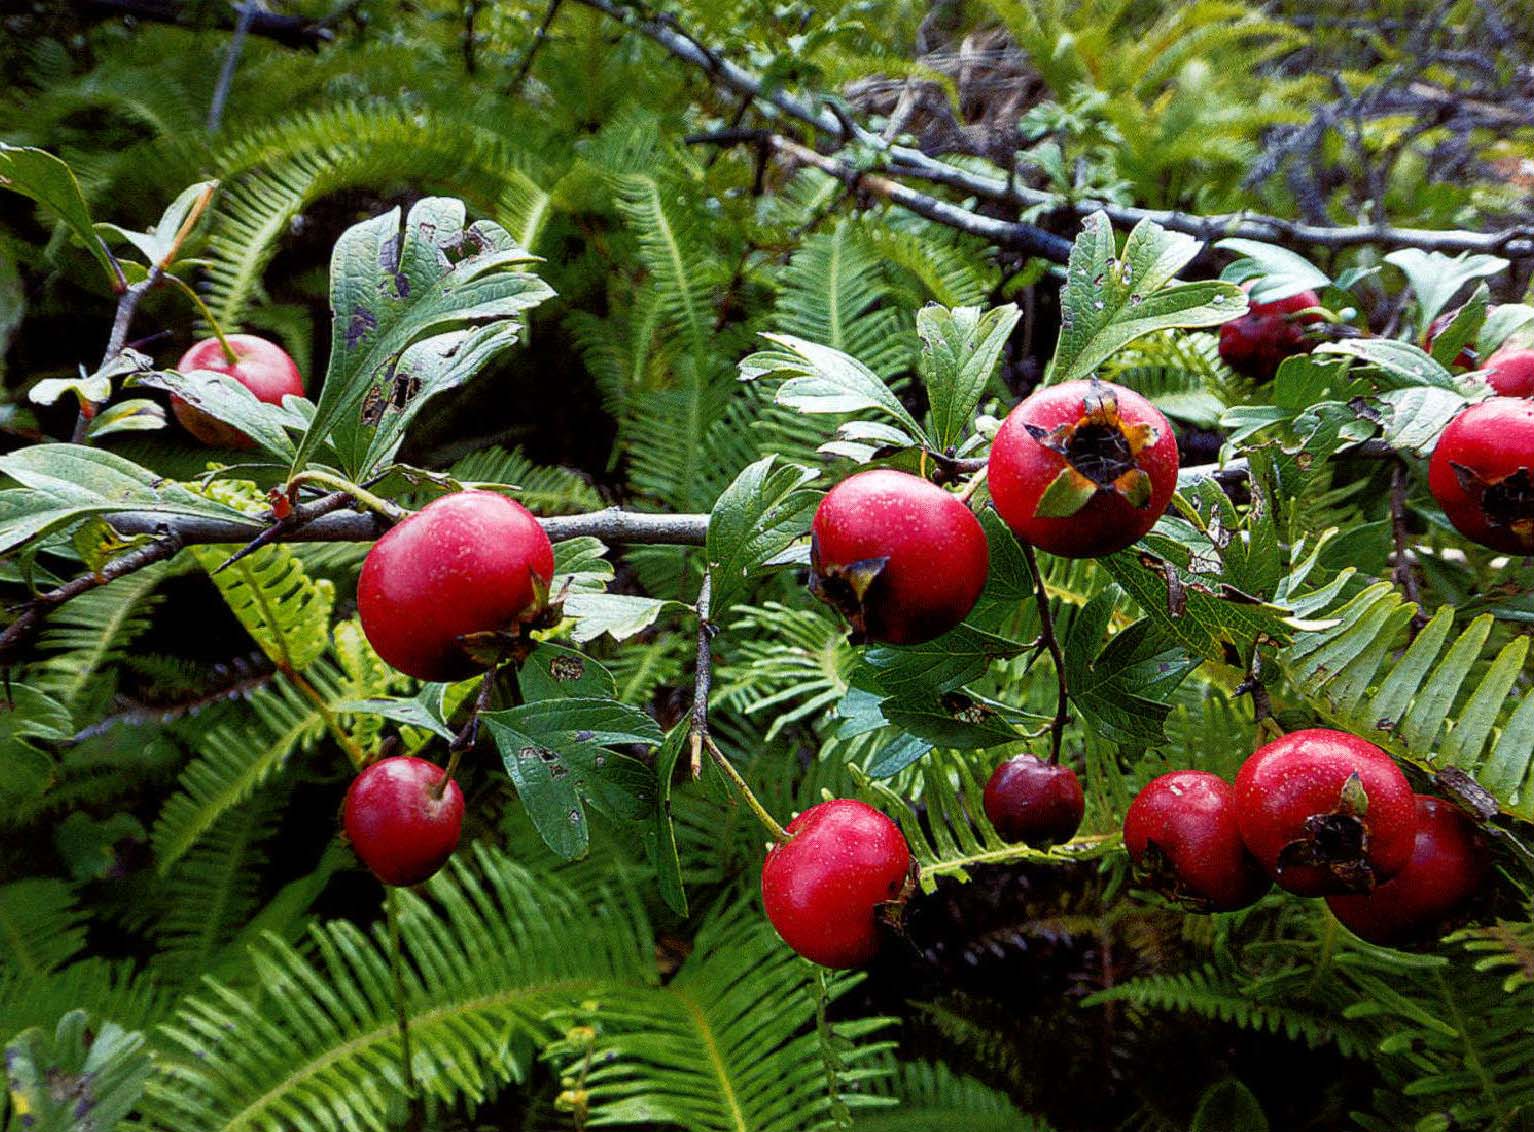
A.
pixel 247 13
pixel 539 38
pixel 290 31
pixel 703 678
pixel 1050 641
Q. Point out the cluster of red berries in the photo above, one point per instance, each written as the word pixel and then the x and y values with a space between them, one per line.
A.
pixel 1319 813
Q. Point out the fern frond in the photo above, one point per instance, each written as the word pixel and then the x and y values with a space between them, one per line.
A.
pixel 41 925
pixel 790 662
pixel 489 950
pixel 547 491
pixel 1180 373
pixel 933 1098
pixel 84 637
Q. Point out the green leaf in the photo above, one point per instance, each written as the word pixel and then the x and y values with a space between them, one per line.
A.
pixel 661 841
pixel 1416 417
pixel 64 483
pixel 960 655
pixel 1399 364
pixel 158 243
pixel 224 399
pixel 555 672
pixel 83 1076
pixel 134 415
pixel 423 710
pixel 1278 272
pixel 822 380
pixel 416 311
pixel 1122 689
pixel 1110 300
pixel 1463 329
pixel 38 175
pixel 1436 278
pixel 1229 1106
pixel 26 716
pixel 960 349
pixel 960 721
pixel 763 510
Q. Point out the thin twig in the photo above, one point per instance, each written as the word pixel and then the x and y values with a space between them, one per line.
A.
pixel 1402 571
pixel 242 23
pixel 526 66
pixel 1052 643
pixel 291 31
pixel 401 1004
pixel 704 678
pixel 468 734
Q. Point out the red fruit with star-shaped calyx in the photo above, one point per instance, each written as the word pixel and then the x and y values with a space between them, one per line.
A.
pixel 1256 343
pixel 1510 371
pixel 845 868
pixel 902 559
pixel 1184 842
pixel 1035 802
pixel 1083 469
pixel 1428 898
pixel 1325 812
pixel 262 367
pixel 1482 474
pixel 402 820
pixel 467 564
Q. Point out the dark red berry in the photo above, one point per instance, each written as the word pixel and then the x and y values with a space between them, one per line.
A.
pixel 1033 801
pixel 1325 812
pixel 1254 344
pixel 262 367
pixel 1423 901
pixel 825 888
pixel 473 562
pixel 901 558
pixel 1083 469
pixel 1482 474
pixel 1183 841
pixel 399 828
pixel 1465 359
pixel 1510 371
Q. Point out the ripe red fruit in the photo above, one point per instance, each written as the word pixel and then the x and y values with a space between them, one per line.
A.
pixel 262 367
pixel 1510 371
pixel 1325 812
pixel 1422 902
pixel 1465 359
pixel 1183 840
pixel 399 830
pixel 1481 474
pixel 473 562
pixel 1033 801
pixel 1083 469
pixel 824 888
pixel 902 559
pixel 1255 343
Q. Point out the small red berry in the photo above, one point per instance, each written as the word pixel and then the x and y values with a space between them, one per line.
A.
pixel 1424 900
pixel 1482 474
pixel 1033 801
pixel 473 562
pixel 1510 371
pixel 902 559
pixel 399 829
pixel 1083 469
pixel 825 887
pixel 262 367
pixel 1254 344
pixel 1183 840
pixel 1325 812
pixel 1465 359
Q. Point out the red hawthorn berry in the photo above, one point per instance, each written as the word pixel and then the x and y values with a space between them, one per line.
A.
pixel 401 832
pixel 1254 344
pixel 1083 469
pixel 902 559
pixel 1482 474
pixel 473 562
pixel 1466 357
pixel 1183 841
pixel 262 367
pixel 1035 802
pixel 825 888
pixel 1325 812
pixel 1423 901
pixel 1510 371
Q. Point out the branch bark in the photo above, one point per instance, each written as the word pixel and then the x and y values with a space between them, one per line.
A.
pixel 290 31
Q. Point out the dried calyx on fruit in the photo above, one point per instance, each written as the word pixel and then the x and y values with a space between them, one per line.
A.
pixel 1083 469
pixel 1482 474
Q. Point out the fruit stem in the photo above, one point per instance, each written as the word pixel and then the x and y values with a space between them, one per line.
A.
pixel 207 316
pixel 779 834
pixel 391 511
pixel 468 734
pixel 1052 643
pixel 974 484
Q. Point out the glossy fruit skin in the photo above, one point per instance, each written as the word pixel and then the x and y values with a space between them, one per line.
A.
pixel 1449 863
pixel 1022 468
pixel 823 888
pixel 935 552
pixel 1254 344
pixel 1035 802
pixel 1182 837
pixel 400 832
pixel 1482 474
pixel 1466 357
pixel 465 563
pixel 262 367
pixel 1511 372
pixel 1290 797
